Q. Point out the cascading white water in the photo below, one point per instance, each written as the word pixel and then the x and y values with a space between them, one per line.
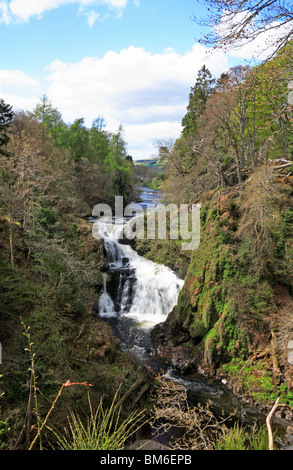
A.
pixel 149 291
pixel 106 304
pixel 145 293
pixel 155 291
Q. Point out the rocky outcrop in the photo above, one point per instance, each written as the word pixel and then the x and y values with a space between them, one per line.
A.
pixel 228 310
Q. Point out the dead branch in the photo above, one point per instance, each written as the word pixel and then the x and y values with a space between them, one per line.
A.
pixel 199 428
pixel 146 379
pixel 269 426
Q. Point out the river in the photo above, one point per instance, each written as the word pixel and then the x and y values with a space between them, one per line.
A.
pixel 138 294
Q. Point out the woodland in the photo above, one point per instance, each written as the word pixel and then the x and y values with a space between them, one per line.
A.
pixel 234 317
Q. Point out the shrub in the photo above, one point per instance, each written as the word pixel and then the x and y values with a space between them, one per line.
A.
pixel 103 430
pixel 238 438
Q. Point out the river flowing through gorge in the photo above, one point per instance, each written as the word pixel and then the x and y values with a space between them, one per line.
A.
pixel 140 294
pixel 136 295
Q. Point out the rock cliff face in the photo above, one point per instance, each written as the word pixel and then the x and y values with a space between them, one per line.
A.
pixel 195 326
pixel 226 308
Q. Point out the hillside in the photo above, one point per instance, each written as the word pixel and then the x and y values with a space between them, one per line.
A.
pixel 233 316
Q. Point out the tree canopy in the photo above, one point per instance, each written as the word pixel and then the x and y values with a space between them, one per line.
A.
pixel 232 125
pixel 6 116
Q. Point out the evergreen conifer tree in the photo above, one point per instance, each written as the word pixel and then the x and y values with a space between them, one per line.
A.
pixel 6 116
pixel 197 99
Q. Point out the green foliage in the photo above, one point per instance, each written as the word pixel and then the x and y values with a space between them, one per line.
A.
pixel 46 218
pixel 4 427
pixel 6 116
pixel 50 118
pixel 232 127
pixel 156 182
pixel 103 430
pixel 78 139
pixel 16 291
pixel 229 293
pixel 240 438
pixel 102 167
pixel 256 380
pixel 52 175
pixel 197 99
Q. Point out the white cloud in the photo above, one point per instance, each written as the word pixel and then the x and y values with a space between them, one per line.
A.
pixel 263 46
pixel 116 3
pixel 4 13
pixel 21 101
pixel 91 15
pixel 16 78
pixel 92 18
pixel 19 89
pixel 147 93
pixel 23 10
pixel 259 48
pixel 141 136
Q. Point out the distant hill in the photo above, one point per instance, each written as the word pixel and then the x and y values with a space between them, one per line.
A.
pixel 151 163
pixel 147 162
pixel 149 170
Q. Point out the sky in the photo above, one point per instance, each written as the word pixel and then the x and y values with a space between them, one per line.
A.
pixel 132 62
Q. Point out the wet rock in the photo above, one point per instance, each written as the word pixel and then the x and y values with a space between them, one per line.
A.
pixel 146 444
pixel 290 431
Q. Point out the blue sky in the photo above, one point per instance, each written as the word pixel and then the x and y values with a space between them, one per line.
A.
pixel 131 61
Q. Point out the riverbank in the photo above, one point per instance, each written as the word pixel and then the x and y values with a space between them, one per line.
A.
pixel 257 376
pixel 179 362
pixel 66 342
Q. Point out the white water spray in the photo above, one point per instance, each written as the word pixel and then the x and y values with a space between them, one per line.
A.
pixel 149 291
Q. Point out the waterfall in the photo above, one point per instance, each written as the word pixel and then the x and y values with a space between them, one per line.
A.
pixel 147 292
pixel 143 295
pixel 104 282
pixel 106 304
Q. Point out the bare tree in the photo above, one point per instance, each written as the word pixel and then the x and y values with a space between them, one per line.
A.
pixel 199 427
pixel 164 147
pixel 234 23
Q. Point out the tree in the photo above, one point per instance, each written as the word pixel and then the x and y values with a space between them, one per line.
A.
pixel 6 116
pixel 36 179
pixel 197 100
pixel 220 139
pixel 99 123
pixel 235 121
pixel 99 141
pixel 118 143
pixel 118 166
pixel 78 139
pixel 268 111
pixel 164 147
pixel 238 22
pixel 261 223
pixel 49 117
pixel 20 174
pixel 179 171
